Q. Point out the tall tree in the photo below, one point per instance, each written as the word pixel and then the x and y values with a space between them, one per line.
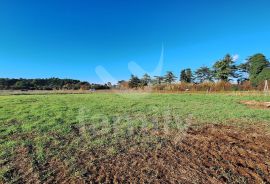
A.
pixel 134 82
pixel 264 75
pixel 146 79
pixel 169 77
pixel 225 69
pixel 189 75
pixel 254 66
pixel 186 75
pixel 183 76
pixel 203 74
pixel 159 79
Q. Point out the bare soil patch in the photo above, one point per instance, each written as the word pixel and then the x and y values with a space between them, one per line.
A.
pixel 256 104
pixel 209 154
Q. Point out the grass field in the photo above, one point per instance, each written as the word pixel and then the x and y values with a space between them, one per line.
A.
pixel 57 130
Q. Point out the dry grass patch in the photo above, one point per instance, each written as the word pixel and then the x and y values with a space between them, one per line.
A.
pixel 256 104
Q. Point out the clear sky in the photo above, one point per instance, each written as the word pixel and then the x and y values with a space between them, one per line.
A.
pixel 69 39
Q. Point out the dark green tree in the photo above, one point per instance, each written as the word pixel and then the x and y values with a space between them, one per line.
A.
pixel 263 75
pixel 146 79
pixel 189 75
pixel 203 74
pixel 134 82
pixel 225 69
pixel 45 84
pixel 158 79
pixel 186 75
pixel 22 84
pixel 254 66
pixel 3 84
pixel 183 76
pixel 169 77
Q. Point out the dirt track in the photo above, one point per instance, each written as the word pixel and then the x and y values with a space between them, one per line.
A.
pixel 255 104
pixel 212 154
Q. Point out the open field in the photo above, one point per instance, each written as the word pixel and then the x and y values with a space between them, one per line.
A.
pixel 110 137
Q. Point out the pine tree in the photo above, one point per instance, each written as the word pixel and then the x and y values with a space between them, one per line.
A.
pixel 225 69
pixel 169 77
pixel 183 76
pixel 134 82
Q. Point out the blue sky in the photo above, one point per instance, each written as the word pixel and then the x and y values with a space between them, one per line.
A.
pixel 70 39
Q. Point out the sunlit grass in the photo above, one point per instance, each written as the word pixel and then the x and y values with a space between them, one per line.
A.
pixel 101 120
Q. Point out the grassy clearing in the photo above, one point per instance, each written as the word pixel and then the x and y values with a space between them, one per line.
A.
pixel 65 124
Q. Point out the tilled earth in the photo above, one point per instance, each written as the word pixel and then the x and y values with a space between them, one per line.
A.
pixel 209 154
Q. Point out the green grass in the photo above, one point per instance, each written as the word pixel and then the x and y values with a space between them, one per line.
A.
pixel 102 120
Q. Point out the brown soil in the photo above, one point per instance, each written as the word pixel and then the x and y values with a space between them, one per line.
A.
pixel 255 104
pixel 211 154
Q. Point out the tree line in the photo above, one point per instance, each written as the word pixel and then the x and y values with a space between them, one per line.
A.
pixel 256 69
pixel 48 84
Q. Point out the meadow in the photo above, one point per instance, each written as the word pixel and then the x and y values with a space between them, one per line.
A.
pixel 67 137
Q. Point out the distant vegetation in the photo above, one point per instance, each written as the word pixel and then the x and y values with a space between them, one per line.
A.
pixel 223 75
pixel 48 84
pixel 248 75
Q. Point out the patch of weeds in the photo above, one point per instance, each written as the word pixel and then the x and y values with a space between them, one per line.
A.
pixel 5 173
pixel 111 151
